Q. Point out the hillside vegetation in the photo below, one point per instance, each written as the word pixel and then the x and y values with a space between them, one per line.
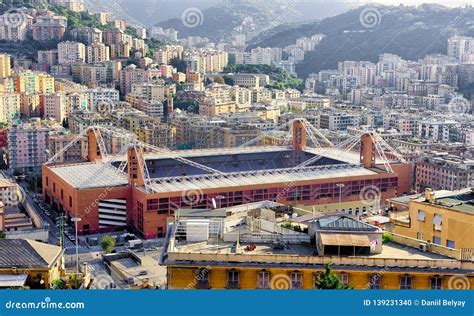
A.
pixel 411 32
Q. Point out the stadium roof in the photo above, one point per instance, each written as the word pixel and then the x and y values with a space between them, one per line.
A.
pixel 202 182
pixel 90 175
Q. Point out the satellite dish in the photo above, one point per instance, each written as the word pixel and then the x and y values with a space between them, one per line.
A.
pixel 286 216
pixel 294 215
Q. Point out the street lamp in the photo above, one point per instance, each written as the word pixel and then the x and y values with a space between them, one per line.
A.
pixel 75 220
pixel 340 186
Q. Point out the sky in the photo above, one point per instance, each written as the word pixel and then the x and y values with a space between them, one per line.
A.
pixel 447 3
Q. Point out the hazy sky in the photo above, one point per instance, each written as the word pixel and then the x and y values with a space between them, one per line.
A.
pixel 448 3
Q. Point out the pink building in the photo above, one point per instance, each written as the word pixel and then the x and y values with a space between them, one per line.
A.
pixel 27 143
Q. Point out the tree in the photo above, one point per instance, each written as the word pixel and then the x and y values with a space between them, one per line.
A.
pixel 219 80
pixel 328 280
pixel 2 235
pixel 179 64
pixel 107 243
pixel 58 284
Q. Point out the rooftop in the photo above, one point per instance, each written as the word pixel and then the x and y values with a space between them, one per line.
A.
pixel 81 174
pixel 22 253
pixel 462 200
pixel 258 177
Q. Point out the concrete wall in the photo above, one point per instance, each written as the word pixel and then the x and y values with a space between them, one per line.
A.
pixel 40 234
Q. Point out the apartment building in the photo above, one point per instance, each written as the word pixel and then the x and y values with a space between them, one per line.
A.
pixel 338 121
pixel 444 218
pixel 8 194
pixel 132 75
pixel 5 66
pixel 442 171
pixel 168 52
pixel 48 57
pixel 9 106
pixel 295 258
pixel 27 143
pixel 14 31
pixel 56 106
pixel 49 27
pixel 76 152
pixel 97 53
pixel 86 35
pixel 71 52
pixel 205 60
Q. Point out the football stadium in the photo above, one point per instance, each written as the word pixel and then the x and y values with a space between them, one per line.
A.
pixel 140 188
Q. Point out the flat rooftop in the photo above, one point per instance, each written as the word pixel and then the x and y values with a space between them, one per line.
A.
pixel 390 250
pixel 461 201
pixel 90 175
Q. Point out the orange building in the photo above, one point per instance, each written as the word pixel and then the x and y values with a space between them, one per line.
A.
pixel 143 190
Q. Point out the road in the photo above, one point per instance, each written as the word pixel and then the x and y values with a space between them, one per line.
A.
pixel 54 233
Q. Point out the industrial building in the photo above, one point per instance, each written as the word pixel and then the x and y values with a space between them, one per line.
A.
pixel 141 189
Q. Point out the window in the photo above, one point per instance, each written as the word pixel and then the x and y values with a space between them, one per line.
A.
pixel 62 194
pixel 202 279
pixel 374 281
pixel 70 201
pixel 435 283
pixel 296 280
pixel 421 215
pixel 420 236
pixel 436 240
pixel 405 282
pixel 437 220
pixel 344 278
pixel 263 279
pixel 450 244
pixel 233 279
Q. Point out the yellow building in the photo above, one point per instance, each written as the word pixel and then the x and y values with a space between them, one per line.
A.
pixel 5 66
pixel 444 218
pixel 212 108
pixel 252 247
pixel 29 263
pixel 34 82
pixel 46 84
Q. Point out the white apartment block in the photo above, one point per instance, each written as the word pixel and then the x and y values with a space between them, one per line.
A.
pixel 71 53
pixel 9 106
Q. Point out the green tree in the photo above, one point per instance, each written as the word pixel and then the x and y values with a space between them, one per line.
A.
pixel 2 235
pixel 107 243
pixel 328 280
pixel 179 64
pixel 58 284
